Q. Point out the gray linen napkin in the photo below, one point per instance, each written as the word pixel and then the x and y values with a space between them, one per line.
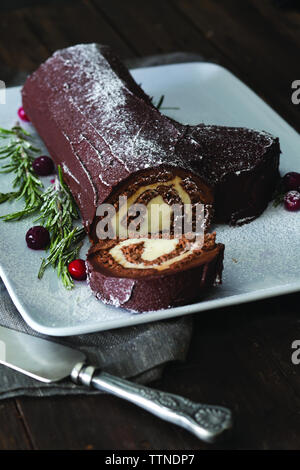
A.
pixel 139 352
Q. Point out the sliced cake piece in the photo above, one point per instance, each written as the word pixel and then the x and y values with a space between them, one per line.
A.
pixel 150 274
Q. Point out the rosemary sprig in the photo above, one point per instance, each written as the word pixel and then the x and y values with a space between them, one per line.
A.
pixel 21 154
pixel 278 199
pixel 279 193
pixel 58 209
pixel 62 252
pixel 58 213
pixel 160 102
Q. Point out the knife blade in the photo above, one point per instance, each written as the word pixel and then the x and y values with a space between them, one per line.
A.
pixel 48 361
pixel 41 359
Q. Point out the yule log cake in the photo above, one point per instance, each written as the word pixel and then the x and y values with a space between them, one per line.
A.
pixel 110 140
pixel 113 144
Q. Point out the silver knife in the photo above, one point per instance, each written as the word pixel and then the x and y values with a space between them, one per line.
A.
pixel 49 362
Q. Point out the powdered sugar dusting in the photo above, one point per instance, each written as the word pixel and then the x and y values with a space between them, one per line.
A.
pixel 231 149
pixel 84 169
pixel 116 295
pixel 135 133
pixel 126 134
pixel 68 172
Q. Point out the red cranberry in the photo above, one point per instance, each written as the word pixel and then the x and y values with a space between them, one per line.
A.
pixel 37 238
pixel 292 201
pixel 77 269
pixel 291 181
pixel 43 166
pixel 22 115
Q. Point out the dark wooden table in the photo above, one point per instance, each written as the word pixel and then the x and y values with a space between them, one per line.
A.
pixel 240 356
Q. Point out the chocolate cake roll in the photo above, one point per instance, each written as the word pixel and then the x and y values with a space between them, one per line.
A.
pixel 102 129
pixel 112 145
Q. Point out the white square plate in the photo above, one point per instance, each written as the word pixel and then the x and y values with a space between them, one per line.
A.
pixel 261 259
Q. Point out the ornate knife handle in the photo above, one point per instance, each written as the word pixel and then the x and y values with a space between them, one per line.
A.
pixel 207 422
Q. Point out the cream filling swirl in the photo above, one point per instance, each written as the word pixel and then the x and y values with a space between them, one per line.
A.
pixel 152 250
